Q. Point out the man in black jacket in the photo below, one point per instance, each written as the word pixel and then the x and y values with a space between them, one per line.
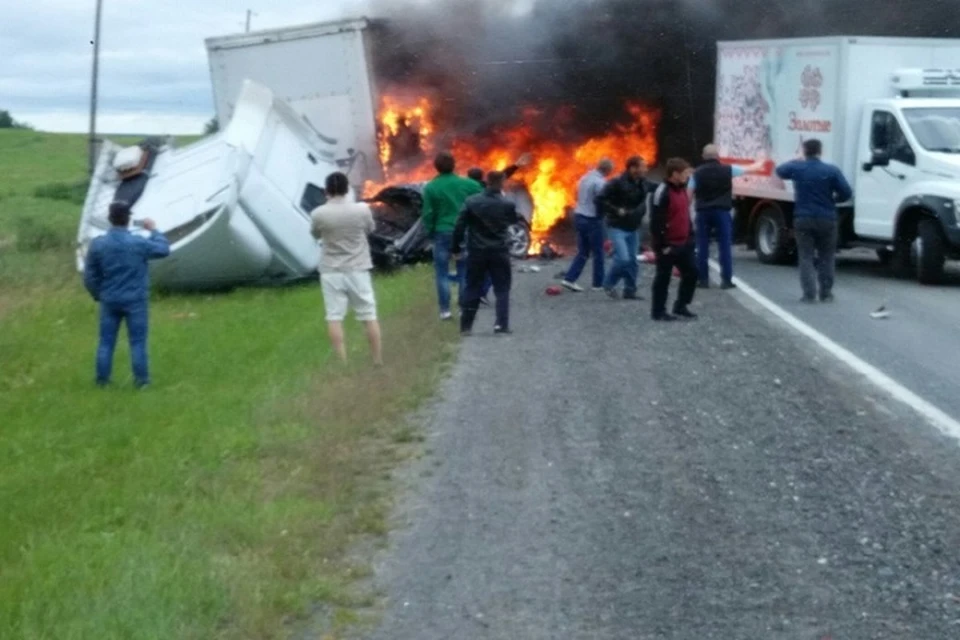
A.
pixel 483 222
pixel 712 186
pixel 476 174
pixel 623 202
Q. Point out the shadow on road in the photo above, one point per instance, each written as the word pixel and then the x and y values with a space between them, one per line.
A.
pixel 867 266
pixel 870 267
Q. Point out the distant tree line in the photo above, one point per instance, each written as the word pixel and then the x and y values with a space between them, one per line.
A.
pixel 7 121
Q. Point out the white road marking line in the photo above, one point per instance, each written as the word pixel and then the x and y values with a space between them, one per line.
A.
pixel 934 415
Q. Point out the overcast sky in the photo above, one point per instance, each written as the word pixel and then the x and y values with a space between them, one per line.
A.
pixel 154 76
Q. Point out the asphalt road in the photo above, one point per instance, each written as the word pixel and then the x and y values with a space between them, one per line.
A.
pixel 598 476
pixel 919 345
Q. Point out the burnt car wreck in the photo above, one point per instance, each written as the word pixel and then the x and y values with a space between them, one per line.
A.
pixel 400 239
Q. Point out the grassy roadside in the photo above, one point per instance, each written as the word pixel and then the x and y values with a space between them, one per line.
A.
pixel 218 504
pixel 43 180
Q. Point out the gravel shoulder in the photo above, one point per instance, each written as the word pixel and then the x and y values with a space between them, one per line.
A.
pixel 597 475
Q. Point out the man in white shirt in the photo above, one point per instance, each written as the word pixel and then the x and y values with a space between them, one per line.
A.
pixel 346 264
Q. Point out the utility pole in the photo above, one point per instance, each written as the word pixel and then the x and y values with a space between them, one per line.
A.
pixel 249 13
pixel 92 143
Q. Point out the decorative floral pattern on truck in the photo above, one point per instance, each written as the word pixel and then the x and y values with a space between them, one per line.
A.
pixel 772 98
pixel 743 113
pixel 811 80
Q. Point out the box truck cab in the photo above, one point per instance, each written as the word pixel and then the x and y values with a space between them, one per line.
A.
pixel 908 181
pixel 888 113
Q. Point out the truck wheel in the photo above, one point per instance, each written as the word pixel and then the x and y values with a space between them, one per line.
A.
pixel 930 252
pixel 771 237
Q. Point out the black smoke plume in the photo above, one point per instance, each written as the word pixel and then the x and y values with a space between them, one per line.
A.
pixel 485 61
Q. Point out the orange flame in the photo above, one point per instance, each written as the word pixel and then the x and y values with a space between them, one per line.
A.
pixel 552 176
pixel 417 117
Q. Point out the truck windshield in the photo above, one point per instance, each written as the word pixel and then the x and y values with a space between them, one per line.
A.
pixel 936 129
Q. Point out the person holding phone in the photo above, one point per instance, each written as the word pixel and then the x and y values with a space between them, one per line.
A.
pixel 116 275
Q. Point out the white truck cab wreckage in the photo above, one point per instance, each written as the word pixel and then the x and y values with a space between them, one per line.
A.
pixel 235 205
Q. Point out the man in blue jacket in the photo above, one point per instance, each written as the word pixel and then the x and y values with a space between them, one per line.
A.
pixel 817 187
pixel 116 275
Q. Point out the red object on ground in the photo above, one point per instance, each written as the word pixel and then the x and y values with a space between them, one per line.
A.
pixel 607 247
pixel 554 290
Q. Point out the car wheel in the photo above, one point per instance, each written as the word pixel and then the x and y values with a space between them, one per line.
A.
pixel 518 240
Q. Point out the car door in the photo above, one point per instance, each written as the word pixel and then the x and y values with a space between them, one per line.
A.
pixel 878 187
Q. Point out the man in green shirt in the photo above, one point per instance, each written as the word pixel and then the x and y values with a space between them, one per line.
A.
pixel 443 198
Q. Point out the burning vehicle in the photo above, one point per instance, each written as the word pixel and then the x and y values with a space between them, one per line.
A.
pixel 390 121
pixel 400 238
pixel 301 102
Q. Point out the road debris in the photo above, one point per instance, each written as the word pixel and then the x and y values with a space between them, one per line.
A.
pixel 881 312
pixel 549 252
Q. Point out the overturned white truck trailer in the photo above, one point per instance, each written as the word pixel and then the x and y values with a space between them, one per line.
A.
pixel 235 205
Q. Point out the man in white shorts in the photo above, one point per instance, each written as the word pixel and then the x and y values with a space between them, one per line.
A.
pixel 345 266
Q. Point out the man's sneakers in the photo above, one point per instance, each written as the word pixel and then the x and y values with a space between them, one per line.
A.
pixel 663 317
pixel 684 313
pixel 502 331
pixel 571 286
pixel 446 316
pixel 827 298
pixel 612 293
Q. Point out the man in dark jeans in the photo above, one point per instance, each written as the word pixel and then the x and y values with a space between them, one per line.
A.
pixel 476 174
pixel 442 199
pixel 116 275
pixel 624 203
pixel 712 186
pixel 483 223
pixel 818 187
pixel 590 231
pixel 673 242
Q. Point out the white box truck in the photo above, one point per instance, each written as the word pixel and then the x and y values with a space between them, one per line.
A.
pixel 327 73
pixel 322 70
pixel 888 113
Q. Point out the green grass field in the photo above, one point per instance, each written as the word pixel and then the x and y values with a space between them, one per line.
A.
pixel 221 502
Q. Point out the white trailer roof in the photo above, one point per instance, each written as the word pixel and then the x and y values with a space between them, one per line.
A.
pixel 284 34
